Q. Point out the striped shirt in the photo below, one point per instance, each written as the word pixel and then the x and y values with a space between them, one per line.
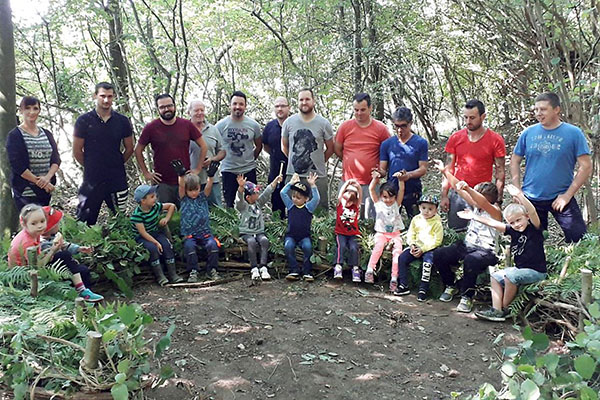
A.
pixel 149 219
pixel 40 151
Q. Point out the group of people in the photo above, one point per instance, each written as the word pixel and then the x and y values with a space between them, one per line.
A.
pixel 188 153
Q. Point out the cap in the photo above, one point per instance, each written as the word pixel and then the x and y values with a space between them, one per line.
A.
pixel 300 187
pixel 250 188
pixel 143 191
pixel 429 198
pixel 53 217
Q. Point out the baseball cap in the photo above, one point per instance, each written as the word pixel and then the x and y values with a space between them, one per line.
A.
pixel 250 188
pixel 301 188
pixel 143 191
pixel 429 198
pixel 53 217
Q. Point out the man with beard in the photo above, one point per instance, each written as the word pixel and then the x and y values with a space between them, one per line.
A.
pixel 97 140
pixel 310 137
pixel 271 137
pixel 242 142
pixel 474 151
pixel 170 138
pixel 215 151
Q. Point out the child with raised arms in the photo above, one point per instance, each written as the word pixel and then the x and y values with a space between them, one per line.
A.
pixel 346 228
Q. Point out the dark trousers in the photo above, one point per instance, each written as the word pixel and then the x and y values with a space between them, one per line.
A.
pixel 409 202
pixel 210 245
pixel 276 201
pixel 91 198
pixel 346 245
pixel 67 259
pixel 403 263
pixel 167 255
pixel 475 261
pixel 230 185
pixel 42 199
pixel 289 247
pixel 570 219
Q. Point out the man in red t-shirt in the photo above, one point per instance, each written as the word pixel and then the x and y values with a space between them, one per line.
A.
pixel 170 138
pixel 474 151
pixel 357 144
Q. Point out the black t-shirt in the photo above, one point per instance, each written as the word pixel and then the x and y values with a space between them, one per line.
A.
pixel 102 157
pixel 271 136
pixel 527 247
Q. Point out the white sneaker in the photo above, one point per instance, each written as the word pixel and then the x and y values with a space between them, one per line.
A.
pixel 337 272
pixel 255 274
pixel 264 274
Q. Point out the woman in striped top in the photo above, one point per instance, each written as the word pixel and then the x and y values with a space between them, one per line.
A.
pixel 33 158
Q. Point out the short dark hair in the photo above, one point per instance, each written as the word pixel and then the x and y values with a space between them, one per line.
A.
pixel 471 104
pixel 307 89
pixel 550 97
pixel 103 85
pixel 238 93
pixel 489 190
pixel 163 96
pixel 390 188
pixel 402 114
pixel 29 101
pixel 359 97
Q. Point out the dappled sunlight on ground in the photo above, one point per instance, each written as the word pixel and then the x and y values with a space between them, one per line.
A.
pixel 369 376
pixel 231 383
pixel 234 329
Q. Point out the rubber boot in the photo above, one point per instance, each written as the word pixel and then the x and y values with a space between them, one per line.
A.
pixel 172 272
pixel 158 274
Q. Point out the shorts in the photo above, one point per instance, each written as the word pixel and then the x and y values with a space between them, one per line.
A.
pixel 519 276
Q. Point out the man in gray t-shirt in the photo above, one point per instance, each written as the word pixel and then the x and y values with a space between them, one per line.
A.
pixel 307 140
pixel 242 141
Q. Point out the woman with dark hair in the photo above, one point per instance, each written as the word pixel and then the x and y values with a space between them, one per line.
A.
pixel 33 158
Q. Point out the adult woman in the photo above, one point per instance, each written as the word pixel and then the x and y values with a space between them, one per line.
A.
pixel 33 158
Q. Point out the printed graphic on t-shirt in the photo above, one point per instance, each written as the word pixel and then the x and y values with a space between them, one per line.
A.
pixel 304 145
pixel 547 143
pixel 348 217
pixel 237 139
pixel 518 248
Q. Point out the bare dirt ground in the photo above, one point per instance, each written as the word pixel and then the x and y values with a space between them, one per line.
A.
pixel 321 340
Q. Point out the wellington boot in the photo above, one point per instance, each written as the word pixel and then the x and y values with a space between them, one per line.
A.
pixel 173 277
pixel 158 274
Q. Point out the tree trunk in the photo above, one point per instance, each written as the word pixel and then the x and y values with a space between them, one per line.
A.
pixel 117 61
pixel 8 213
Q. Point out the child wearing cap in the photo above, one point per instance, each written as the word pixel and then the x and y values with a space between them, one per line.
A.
pixel 146 222
pixel 300 213
pixel 52 240
pixel 252 223
pixel 346 228
pixel 425 233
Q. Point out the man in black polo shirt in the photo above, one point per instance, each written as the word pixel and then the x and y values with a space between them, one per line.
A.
pixel 97 146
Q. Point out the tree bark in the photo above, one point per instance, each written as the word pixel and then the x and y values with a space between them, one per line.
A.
pixel 117 61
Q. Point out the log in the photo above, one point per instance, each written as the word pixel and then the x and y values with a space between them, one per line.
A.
pixel 92 349
pixel 204 284
pixel 79 309
pixel 563 271
pixel 322 245
pixel 586 292
pixel 33 275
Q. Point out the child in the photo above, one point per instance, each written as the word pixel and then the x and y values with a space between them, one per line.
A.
pixel 476 250
pixel 526 246
pixel 194 224
pixel 252 223
pixel 35 223
pixel 388 225
pixel 300 213
pixel 346 228
pixel 425 233
pixel 146 223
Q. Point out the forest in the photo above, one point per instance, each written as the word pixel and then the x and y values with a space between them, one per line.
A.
pixel 431 56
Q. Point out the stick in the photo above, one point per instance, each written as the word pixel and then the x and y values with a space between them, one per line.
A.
pixel 79 308
pixel 280 168
pixel 34 283
pixel 292 368
pixel 92 349
pixel 8 334
pixel 246 320
pixel 563 271
pixel 586 292
pixel 274 369
pixel 205 284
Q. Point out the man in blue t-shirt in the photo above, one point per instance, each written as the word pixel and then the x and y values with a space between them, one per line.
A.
pixel 404 157
pixel 271 138
pixel 551 149
pixel 97 140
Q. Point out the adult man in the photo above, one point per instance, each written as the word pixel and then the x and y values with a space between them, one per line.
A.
pixel 473 151
pixel 404 157
pixel 241 137
pixel 357 144
pixel 307 140
pixel 97 139
pixel 214 152
pixel 551 149
pixel 271 138
pixel 170 138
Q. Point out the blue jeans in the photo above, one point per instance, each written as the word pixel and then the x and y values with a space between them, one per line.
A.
pixel 191 256
pixel 167 255
pixel 570 219
pixel 290 253
pixel 518 276
pixel 403 262
pixel 346 244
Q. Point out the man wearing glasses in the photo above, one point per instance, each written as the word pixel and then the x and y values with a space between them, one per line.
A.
pixel 170 138
pixel 403 157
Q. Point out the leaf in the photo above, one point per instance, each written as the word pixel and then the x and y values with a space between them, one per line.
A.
pixel 119 392
pixel 123 366
pixel 550 361
pixel 529 390
pixel 498 338
pixel 526 368
pixel 120 378
pixel 587 393
pixel 585 366
pixel 166 372
pixel 164 342
pixel 555 61
pixel 594 310
pixel 540 341
pixel 127 314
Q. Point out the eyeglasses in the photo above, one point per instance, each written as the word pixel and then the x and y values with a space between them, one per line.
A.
pixel 166 107
pixel 401 126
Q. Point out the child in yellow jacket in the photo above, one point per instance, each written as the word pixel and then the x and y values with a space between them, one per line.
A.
pixel 425 233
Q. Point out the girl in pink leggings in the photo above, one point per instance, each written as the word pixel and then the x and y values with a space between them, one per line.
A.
pixel 388 225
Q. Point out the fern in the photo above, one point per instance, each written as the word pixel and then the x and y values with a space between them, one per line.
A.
pixel 57 271
pixel 15 276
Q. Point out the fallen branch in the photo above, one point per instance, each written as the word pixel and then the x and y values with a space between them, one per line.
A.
pixel 206 283
pixel 246 320
pixel 9 335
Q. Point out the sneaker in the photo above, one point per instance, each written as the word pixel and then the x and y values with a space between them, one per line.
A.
pixel 193 278
pixel 90 296
pixel 337 272
pixel 264 274
pixel 214 275
pixel 255 274
pixel 465 305
pixel 369 276
pixel 292 276
pixel 356 275
pixel 401 290
pixel 448 294
pixel 308 278
pixel 421 296
pixel 393 286
pixel 491 315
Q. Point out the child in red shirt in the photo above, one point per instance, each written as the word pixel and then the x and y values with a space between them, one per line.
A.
pixel 346 228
